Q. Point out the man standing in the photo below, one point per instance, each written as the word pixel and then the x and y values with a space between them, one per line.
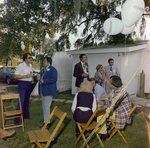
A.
pixel 99 92
pixel 24 74
pixel 110 71
pixel 48 86
pixel 81 71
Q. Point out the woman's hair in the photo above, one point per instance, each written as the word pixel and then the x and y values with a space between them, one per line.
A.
pixel 99 66
pixel 116 81
pixel 86 86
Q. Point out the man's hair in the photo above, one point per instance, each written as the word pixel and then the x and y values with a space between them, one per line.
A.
pixel 116 81
pixel 25 56
pixel 49 60
pixel 93 79
pixel 110 59
pixel 81 56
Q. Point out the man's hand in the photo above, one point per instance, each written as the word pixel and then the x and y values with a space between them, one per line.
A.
pixel 42 81
pixel 85 74
pixel 99 102
pixel 32 80
pixel 28 75
pixel 38 78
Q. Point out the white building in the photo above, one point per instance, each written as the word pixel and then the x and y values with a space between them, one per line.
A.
pixel 127 59
pixel 63 63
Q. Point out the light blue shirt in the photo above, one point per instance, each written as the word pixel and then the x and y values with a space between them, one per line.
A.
pixel 99 91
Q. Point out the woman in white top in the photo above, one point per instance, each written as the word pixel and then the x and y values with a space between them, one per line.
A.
pixel 84 104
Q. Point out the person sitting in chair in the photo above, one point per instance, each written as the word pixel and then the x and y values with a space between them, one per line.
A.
pixel 84 104
pixel 121 108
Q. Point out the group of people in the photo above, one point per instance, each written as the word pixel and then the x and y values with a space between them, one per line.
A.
pixel 98 92
pixel 47 85
pixel 92 93
pixel 47 88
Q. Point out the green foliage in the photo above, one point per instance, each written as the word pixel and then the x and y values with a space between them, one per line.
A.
pixel 30 21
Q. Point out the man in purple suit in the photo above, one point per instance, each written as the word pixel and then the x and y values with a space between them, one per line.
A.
pixel 81 71
pixel 111 70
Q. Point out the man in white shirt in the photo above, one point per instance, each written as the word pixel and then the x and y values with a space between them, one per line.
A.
pixel 24 74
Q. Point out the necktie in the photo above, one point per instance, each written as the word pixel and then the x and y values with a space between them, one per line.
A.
pixel 43 73
pixel 110 68
pixel 84 67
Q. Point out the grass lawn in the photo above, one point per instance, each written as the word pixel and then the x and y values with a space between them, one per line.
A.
pixel 136 133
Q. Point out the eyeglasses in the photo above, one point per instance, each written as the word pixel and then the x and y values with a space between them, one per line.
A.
pixel 29 57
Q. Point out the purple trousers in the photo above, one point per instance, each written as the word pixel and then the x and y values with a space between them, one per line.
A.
pixel 24 90
pixel 81 117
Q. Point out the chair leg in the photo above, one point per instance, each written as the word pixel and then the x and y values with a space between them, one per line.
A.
pixel 33 145
pixel 22 122
pixel 117 130
pixel 112 135
pixel 82 135
pixel 123 133
pixel 100 141
pixel 81 132
pixel 39 145
pixel 122 136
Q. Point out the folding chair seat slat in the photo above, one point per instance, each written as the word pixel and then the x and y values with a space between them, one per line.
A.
pixel 10 113
pixel 39 135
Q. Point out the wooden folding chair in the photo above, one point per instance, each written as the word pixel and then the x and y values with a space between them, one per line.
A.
pixel 147 119
pixel 121 133
pixel 90 125
pixel 7 104
pixel 42 138
pixel 11 114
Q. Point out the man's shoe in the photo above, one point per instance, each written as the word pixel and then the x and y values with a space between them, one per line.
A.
pixel 16 123
pixel 77 134
pixel 43 125
pixel 41 120
pixel 104 136
pixel 6 134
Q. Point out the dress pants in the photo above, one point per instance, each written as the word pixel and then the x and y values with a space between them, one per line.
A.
pixel 81 117
pixel 46 103
pixel 24 90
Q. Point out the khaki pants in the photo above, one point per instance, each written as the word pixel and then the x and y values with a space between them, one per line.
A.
pixel 103 128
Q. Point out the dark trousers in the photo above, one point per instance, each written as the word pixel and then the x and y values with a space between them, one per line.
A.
pixel 24 90
pixel 81 117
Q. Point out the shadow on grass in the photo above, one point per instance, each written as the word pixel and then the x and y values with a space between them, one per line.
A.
pixel 65 124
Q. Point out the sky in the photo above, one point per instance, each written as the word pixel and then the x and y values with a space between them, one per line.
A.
pixel 1 1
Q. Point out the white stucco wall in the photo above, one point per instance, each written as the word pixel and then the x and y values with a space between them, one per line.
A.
pixel 127 59
pixel 146 68
pixel 63 63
